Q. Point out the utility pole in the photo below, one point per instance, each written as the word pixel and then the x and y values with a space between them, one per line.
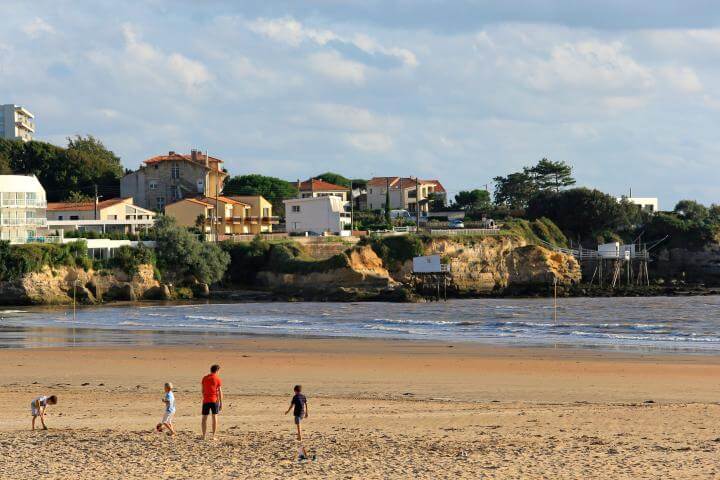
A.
pixel 96 200
pixel 352 209
pixel 417 205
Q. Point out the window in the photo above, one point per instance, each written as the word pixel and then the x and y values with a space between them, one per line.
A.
pixel 153 185
pixel 160 203
pixel 60 217
pixel 112 217
pixel 370 191
pixel 175 171
pixel 296 208
pixel 266 212
pixel 74 217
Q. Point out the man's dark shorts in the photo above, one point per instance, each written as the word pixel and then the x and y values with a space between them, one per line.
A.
pixel 212 407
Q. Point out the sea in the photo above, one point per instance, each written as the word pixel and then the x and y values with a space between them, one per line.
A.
pixel 660 324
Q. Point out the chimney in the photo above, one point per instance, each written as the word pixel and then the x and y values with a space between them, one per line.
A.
pixel 207 161
pixel 194 155
pixel 171 153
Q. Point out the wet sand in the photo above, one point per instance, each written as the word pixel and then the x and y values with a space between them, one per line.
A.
pixel 378 409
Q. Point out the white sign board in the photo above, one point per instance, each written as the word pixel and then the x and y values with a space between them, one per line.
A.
pixel 427 264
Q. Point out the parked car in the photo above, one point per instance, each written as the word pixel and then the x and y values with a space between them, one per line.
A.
pixel 456 223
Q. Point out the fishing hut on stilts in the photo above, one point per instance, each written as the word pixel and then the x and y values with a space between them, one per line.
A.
pixel 614 264
pixel 430 277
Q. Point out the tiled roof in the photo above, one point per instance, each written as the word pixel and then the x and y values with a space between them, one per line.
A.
pixel 83 206
pixel 316 185
pixel 194 200
pixel 396 182
pixel 223 199
pixel 173 156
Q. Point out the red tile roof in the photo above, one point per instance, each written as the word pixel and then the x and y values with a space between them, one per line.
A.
pixel 199 159
pixel 83 206
pixel 223 199
pixel 316 185
pixel 407 182
pixel 193 200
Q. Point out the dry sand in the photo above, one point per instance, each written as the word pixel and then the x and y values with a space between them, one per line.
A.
pixel 377 410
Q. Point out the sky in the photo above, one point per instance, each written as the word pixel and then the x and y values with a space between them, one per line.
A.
pixel 628 93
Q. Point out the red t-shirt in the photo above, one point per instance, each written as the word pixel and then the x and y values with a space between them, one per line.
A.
pixel 210 385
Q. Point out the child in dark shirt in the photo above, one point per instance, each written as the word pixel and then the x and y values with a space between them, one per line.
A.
pixel 298 405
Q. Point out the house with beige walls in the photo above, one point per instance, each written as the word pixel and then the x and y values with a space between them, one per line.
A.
pixel 405 193
pixel 241 215
pixel 112 215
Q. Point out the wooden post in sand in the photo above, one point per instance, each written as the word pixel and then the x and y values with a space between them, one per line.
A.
pixel 555 300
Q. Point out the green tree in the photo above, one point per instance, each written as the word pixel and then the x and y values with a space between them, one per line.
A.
pixel 515 190
pixel 180 254
pixel 476 199
pixel 692 210
pixel 585 214
pixel 5 168
pixel 79 168
pixel 551 175
pixel 77 197
pixel 275 190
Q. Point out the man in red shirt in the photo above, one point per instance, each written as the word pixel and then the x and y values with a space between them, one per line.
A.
pixel 212 398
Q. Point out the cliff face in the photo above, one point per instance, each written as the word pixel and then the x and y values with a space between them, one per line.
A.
pixel 363 270
pixel 692 265
pixel 58 285
pixel 486 265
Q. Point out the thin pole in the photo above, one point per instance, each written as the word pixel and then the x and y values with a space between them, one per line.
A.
pixel 555 300
pixel 417 205
pixel 352 209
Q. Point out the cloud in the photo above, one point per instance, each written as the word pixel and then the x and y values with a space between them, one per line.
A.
pixel 144 62
pixel 348 117
pixel 682 78
pixel 289 31
pixel 587 65
pixel 332 65
pixel 37 27
pixel 370 142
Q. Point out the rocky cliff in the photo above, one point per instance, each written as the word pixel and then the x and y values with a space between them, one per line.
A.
pixel 497 265
pixel 360 274
pixel 479 266
pixel 60 285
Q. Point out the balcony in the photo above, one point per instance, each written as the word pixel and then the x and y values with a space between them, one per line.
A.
pixel 13 222
pixel 22 203
pixel 24 122
pixel 270 220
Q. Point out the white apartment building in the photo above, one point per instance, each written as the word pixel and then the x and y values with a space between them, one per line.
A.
pixel 16 123
pixel 320 215
pixel 22 208
pixel 649 204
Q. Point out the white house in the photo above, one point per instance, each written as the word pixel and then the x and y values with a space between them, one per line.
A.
pixel 16 123
pixel 649 204
pixel 22 208
pixel 317 214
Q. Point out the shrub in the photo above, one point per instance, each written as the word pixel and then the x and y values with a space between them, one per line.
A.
pixel 129 259
pixel 180 254
pixel 18 260
pixel 395 249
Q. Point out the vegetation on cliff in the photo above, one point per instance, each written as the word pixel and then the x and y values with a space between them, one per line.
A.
pixel 249 258
pixel 18 260
pixel 181 255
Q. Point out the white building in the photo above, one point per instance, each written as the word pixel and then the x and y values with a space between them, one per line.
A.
pixel 16 123
pixel 649 204
pixel 22 208
pixel 317 214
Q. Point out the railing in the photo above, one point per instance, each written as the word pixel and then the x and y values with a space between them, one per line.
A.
pixel 23 221
pixel 24 122
pixel 23 203
pixel 466 231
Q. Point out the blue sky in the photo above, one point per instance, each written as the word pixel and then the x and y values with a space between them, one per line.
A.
pixel 464 90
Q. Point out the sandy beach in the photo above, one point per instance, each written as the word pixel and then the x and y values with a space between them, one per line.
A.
pixel 378 409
